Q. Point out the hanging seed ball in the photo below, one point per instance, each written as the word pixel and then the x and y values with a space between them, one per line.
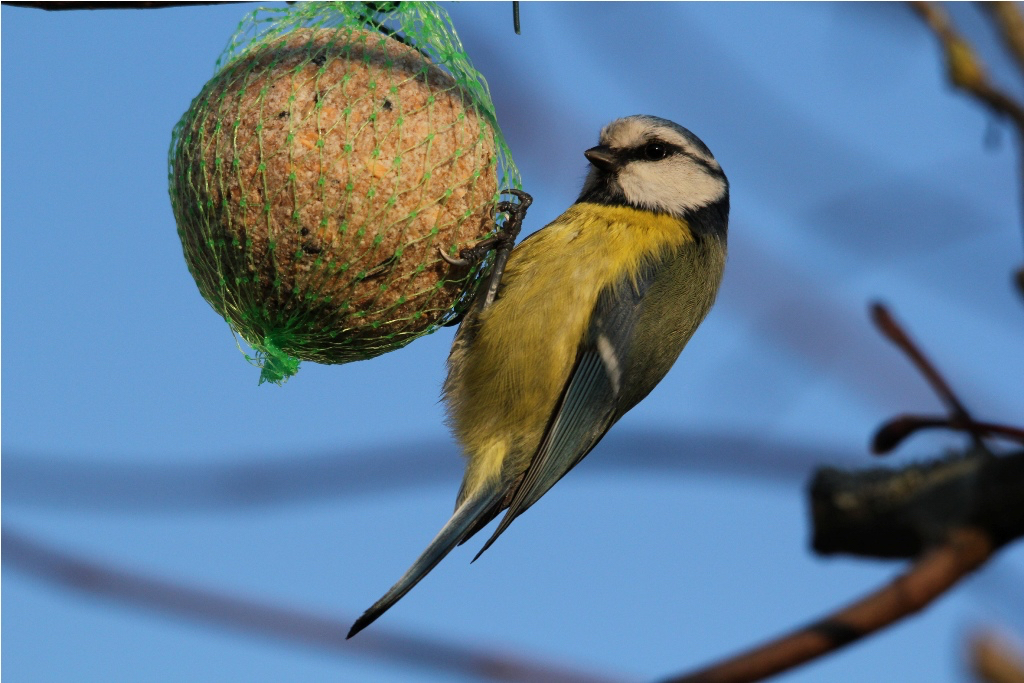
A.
pixel 314 180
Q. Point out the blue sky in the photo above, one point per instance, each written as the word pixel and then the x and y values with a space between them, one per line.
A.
pixel 135 433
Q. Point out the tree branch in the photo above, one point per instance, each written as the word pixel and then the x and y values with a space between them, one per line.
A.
pixel 994 661
pixel 57 6
pixel 895 333
pixel 935 573
pixel 951 514
pixel 77 573
pixel 966 71
pixel 890 435
pixel 896 430
pixel 128 484
pixel 957 512
pixel 1010 23
pixel 901 513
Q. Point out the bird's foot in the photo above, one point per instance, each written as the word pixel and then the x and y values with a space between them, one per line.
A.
pixel 503 240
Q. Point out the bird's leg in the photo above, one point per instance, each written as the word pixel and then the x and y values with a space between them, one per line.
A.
pixel 513 224
pixel 505 237
pixel 502 242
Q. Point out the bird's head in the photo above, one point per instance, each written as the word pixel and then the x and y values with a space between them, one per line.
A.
pixel 653 164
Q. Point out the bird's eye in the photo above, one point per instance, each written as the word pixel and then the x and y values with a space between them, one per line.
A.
pixel 655 150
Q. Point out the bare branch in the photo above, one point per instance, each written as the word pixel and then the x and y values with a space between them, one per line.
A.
pixel 58 6
pixel 261 479
pixel 966 70
pixel 895 431
pixel 931 576
pixel 901 513
pixel 958 511
pixel 952 514
pixel 1010 22
pixel 138 590
pixel 994 661
pixel 895 333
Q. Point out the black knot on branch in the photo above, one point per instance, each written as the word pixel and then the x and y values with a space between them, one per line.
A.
pixel 899 513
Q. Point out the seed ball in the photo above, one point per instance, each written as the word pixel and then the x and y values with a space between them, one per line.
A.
pixel 314 180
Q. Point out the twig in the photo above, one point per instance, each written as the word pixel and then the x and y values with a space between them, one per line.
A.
pixel 994 661
pixel 966 70
pixel 928 578
pixel 70 571
pixel 896 430
pixel 1010 22
pixel 895 333
pixel 58 6
pixel 952 515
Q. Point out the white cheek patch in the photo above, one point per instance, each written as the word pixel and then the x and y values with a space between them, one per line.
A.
pixel 673 185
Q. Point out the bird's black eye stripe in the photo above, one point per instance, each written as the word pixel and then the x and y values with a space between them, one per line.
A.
pixel 655 150
pixel 652 150
pixel 707 166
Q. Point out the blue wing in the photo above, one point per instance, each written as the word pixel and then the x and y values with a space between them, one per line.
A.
pixel 589 405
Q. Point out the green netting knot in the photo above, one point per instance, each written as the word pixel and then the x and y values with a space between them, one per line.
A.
pixel 275 365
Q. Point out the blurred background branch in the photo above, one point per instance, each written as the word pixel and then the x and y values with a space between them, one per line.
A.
pixel 137 590
pixel 58 6
pixel 901 513
pixel 936 572
pixel 958 415
pixel 1010 23
pixel 257 480
pixel 967 72
pixel 950 514
pixel 994 659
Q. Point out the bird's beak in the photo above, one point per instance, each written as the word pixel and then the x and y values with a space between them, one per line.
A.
pixel 602 157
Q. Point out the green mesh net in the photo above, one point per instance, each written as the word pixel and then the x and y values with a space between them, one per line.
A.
pixel 316 176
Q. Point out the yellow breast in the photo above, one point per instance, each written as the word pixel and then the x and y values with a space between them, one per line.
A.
pixel 503 389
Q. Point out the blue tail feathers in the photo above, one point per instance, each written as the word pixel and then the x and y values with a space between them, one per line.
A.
pixel 459 527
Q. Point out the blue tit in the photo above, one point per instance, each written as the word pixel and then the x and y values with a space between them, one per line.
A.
pixel 591 313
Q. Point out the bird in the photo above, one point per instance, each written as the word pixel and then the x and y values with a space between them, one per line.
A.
pixel 590 314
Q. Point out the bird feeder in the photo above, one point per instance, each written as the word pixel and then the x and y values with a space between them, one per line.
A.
pixel 318 174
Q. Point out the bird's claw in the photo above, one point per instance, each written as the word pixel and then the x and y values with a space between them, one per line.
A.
pixel 455 262
pixel 524 200
pixel 503 239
